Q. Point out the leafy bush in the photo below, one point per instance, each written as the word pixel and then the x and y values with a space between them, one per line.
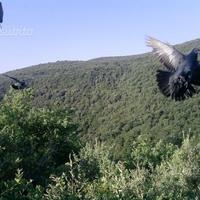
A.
pixel 174 175
pixel 179 177
pixel 148 154
pixel 36 140
pixel 20 189
pixel 40 159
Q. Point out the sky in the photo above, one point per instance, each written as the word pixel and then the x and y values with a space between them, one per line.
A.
pixel 40 31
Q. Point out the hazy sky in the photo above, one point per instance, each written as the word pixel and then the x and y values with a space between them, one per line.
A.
pixel 38 31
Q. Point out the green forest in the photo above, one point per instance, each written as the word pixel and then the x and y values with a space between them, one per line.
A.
pixel 95 130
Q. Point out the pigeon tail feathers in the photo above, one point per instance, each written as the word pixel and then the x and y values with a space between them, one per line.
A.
pixel 163 78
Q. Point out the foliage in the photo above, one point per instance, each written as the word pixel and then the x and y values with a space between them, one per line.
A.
pixel 20 189
pixel 36 140
pixel 40 160
pixel 147 153
pixel 175 177
pixel 179 178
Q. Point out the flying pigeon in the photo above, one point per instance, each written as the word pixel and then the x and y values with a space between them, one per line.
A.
pixel 182 71
pixel 1 13
pixel 18 85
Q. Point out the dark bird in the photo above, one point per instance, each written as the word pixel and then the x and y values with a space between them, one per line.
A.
pixel 1 13
pixel 182 70
pixel 18 85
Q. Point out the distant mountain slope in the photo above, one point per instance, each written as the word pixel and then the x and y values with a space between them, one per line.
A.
pixel 115 99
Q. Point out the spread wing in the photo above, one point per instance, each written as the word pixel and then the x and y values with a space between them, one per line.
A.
pixel 175 86
pixel 12 78
pixel 167 54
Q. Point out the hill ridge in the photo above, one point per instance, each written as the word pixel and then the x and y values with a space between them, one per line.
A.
pixel 114 99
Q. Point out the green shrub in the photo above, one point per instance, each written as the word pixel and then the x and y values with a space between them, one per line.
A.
pixel 20 189
pixel 36 140
pixel 168 172
pixel 148 154
pixel 179 177
pixel 40 159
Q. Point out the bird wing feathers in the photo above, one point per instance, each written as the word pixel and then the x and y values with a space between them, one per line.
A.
pixel 175 86
pixel 12 78
pixel 167 54
pixel 196 75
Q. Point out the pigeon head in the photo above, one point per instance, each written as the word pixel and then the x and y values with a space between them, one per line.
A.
pixel 192 56
pixel 196 50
